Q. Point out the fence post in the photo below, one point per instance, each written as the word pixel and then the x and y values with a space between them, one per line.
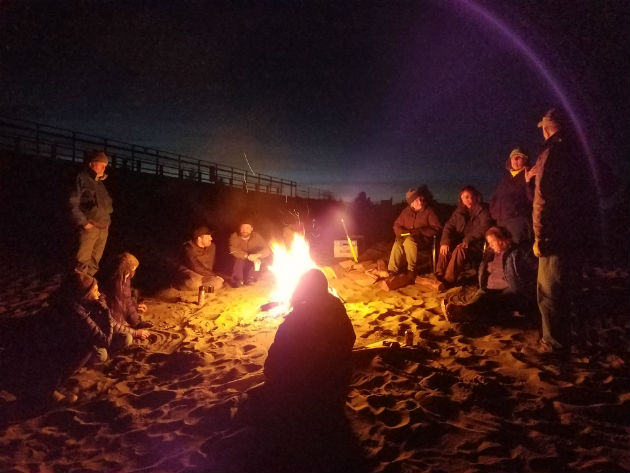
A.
pixel 199 170
pixel 37 139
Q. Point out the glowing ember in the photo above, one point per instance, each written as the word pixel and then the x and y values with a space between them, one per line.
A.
pixel 288 265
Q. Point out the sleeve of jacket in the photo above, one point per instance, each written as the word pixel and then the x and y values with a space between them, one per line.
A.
pixel 478 231
pixel 93 332
pixel 541 192
pixel 399 224
pixel 78 216
pixel 433 225
pixel 447 233
pixel 235 249
pixel 261 245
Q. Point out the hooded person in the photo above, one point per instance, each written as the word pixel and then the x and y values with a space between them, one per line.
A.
pixel 308 367
pixel 415 228
pixel 511 203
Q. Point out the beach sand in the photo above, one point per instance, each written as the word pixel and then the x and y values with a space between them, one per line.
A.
pixel 462 398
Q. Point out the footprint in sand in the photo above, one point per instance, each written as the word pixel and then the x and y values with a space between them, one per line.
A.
pixel 151 400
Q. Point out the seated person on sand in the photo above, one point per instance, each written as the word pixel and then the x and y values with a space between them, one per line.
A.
pixel 249 249
pixel 415 228
pixel 507 281
pixel 123 305
pixel 197 262
pixel 75 328
pixel 463 236
pixel 308 368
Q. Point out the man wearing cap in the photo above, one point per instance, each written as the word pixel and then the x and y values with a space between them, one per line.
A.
pixel 249 249
pixel 564 218
pixel 415 228
pixel 197 266
pixel 91 208
pixel 511 203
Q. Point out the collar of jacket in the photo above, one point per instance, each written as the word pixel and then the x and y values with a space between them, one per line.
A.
pixel 93 175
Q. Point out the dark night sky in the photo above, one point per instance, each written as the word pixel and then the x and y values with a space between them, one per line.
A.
pixel 373 96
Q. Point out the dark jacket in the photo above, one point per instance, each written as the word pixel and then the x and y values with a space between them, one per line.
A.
pixel 311 353
pixel 468 226
pixel 512 198
pixel 565 198
pixel 421 223
pixel 199 260
pixel 240 248
pixel 520 268
pixel 90 202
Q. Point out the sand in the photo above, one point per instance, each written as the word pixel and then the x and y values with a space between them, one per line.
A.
pixel 461 399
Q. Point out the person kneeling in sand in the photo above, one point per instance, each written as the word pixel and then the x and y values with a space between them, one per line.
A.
pixel 197 262
pixel 308 368
pixel 415 228
pixel 507 281
pixel 123 305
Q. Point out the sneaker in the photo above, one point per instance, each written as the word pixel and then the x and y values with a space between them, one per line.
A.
pixel 549 346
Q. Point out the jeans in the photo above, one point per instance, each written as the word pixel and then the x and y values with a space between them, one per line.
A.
pixel 91 246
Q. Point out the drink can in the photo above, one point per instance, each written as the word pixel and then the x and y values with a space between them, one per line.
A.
pixel 408 337
pixel 257 265
pixel 201 297
pixel 209 289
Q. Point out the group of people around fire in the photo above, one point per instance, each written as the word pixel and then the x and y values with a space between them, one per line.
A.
pixel 526 245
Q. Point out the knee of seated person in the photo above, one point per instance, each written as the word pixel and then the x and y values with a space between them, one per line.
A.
pixel 127 340
pixel 100 355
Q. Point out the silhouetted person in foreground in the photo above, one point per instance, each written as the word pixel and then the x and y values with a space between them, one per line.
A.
pixel 308 368
pixel 91 208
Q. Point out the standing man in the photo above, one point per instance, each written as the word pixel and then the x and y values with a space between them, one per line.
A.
pixel 248 248
pixel 415 228
pixel 91 208
pixel 564 217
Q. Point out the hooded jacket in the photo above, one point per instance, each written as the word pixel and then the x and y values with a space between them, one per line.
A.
pixel 519 268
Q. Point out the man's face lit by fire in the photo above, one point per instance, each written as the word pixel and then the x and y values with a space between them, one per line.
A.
pixel 468 199
pixel 416 204
pixel 98 168
pixel 204 241
pixel 245 231
pixel 496 244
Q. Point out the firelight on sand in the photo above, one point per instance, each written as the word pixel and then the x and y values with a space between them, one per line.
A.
pixel 289 263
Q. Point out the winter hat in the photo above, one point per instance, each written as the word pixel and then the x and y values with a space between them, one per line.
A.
pixel 411 195
pixel 201 231
pixel 81 284
pixel 519 152
pixel 98 157
pixel 553 116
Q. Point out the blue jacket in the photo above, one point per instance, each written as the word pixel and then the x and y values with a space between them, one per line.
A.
pixel 520 268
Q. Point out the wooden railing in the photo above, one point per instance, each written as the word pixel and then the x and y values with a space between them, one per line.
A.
pixel 30 138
